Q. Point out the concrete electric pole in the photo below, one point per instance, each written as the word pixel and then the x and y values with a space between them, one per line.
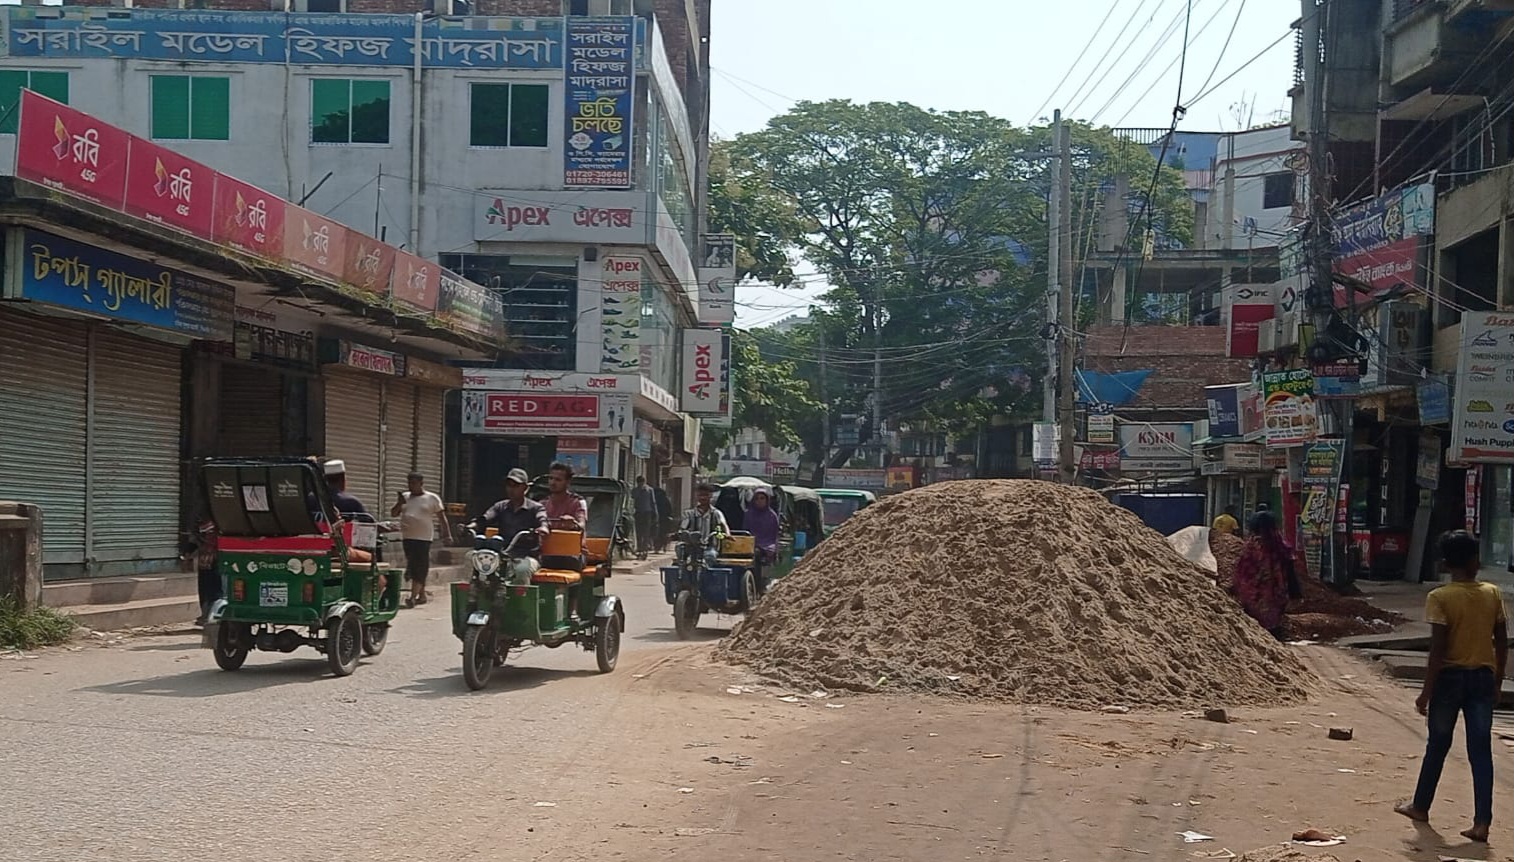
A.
pixel 1065 335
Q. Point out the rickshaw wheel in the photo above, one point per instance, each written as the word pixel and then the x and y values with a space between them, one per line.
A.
pixel 607 643
pixel 229 655
pixel 685 614
pixel 374 638
pixel 478 656
pixel 749 590
pixel 344 644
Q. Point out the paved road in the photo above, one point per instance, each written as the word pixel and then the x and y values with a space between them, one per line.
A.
pixel 146 751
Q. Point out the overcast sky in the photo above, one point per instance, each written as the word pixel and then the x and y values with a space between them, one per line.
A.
pixel 1005 57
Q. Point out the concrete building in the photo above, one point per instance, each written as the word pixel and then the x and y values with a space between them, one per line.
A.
pixel 553 157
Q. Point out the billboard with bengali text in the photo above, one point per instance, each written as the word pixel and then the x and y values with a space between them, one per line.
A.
pixel 68 150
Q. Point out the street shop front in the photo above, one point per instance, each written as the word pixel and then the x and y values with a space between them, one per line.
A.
pixel 92 345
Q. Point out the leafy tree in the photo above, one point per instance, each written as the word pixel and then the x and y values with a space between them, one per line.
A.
pixel 763 221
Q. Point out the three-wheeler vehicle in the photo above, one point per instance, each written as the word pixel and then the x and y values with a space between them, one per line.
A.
pixel 610 515
pixel 292 579
pixel 492 614
pixel 842 503
pixel 694 588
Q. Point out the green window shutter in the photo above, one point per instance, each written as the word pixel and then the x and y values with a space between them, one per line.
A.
pixel 11 84
pixel 53 85
pixel 330 111
pixel 170 107
pixel 370 112
pixel 210 109
pixel 528 115
pixel 489 112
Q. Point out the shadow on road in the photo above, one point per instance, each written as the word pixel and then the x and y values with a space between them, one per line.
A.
pixel 509 678
pixel 167 647
pixel 669 636
pixel 210 682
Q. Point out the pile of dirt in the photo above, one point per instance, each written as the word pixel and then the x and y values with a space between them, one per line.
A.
pixel 1012 590
pixel 1321 614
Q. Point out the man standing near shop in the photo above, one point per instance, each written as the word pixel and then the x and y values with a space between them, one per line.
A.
pixel 418 511
pixel 645 498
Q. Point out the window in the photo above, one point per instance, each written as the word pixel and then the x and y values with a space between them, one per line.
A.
pixel 508 115
pixel 186 108
pixel 1277 191
pixel 349 111
pixel 318 6
pixel 53 85
pixel 540 295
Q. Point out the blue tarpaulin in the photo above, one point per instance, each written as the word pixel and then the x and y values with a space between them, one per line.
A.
pixel 1116 389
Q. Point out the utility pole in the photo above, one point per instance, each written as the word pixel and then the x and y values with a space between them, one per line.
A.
pixel 1053 281
pixel 1065 336
pixel 878 380
pixel 825 413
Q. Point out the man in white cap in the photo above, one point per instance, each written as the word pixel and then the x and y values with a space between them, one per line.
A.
pixel 345 503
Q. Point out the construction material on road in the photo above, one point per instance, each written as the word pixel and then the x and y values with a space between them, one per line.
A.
pixel 1013 590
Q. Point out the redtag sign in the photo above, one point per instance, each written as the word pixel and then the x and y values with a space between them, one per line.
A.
pixel 510 410
pixel 248 219
pixel 164 187
pixel 69 150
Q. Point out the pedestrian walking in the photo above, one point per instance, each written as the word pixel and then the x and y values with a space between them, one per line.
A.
pixel 419 512
pixel 1469 648
pixel 202 548
pixel 1265 578
pixel 644 496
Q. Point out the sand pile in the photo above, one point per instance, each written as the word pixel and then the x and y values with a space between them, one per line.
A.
pixel 1322 614
pixel 1014 590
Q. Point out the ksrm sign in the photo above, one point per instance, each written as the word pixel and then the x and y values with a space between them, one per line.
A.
pixel 1156 447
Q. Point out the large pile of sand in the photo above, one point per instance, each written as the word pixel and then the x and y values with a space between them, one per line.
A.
pixel 1013 590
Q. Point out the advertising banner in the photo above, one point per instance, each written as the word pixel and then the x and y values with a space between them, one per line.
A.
pixel 369 264
pixel 416 282
pixel 73 275
pixel 1101 428
pixel 1378 241
pixel 279 37
pixel 583 463
pixel 372 359
pixel 534 414
pixel 605 218
pixel 1156 448
pixel 1391 265
pixel 1288 408
pixel 248 219
pixel 703 357
pixel 856 479
pixel 1433 396
pixel 599 83
pixel 1245 307
pixel 1224 411
pixel 467 306
pixel 717 278
pixel 169 189
pixel 313 243
pixel 1483 429
pixel 620 299
pixel 71 151
pixel 1321 502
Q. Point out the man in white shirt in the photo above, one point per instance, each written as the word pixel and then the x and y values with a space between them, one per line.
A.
pixel 418 511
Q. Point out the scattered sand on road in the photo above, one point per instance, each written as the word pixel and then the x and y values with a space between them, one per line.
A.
pixel 1021 591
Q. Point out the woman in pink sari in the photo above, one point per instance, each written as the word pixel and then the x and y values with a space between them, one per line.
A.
pixel 1264 576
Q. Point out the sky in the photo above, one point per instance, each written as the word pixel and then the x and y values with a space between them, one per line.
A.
pixel 1005 57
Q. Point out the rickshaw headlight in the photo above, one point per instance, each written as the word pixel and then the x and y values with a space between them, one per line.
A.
pixel 486 563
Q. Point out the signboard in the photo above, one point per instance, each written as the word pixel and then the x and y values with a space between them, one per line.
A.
pixel 1156 448
pixel 599 82
pixel 641 444
pixel 467 306
pixel 535 414
pixel 165 187
pixel 703 358
pixel 1427 462
pixel 365 358
pixel 1252 412
pixel 1433 396
pixel 901 478
pixel 313 243
pixel 717 278
pixel 620 298
pixel 1378 241
pixel 262 335
pixel 69 150
pixel 1045 442
pixel 1398 341
pixel 582 463
pixel 603 218
pixel 248 218
pixel 73 275
pixel 1107 461
pixel 416 282
pixel 1386 267
pixel 278 37
pixel 1224 410
pixel 856 479
pixel 1472 500
pixel 1288 408
pixel 1337 379
pixel 1483 429
pixel 1245 307
pixel 369 264
pixel 1101 428
pixel 1322 502
pixel 430 373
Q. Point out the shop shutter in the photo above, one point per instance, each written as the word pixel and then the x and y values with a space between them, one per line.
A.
pixel 353 416
pixel 251 409
pixel 430 434
pixel 43 376
pixel 134 449
pixel 399 436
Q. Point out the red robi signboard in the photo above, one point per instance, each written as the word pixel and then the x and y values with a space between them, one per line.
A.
pixel 164 187
pixel 248 218
pixel 509 410
pixel 66 149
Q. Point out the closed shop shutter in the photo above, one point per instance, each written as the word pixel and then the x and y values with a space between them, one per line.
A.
pixel 134 449
pixel 353 416
pixel 399 436
pixel 251 409
pixel 43 374
pixel 429 437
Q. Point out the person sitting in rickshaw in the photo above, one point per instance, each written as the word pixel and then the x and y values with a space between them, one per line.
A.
pixel 761 520
pixel 566 511
pixel 516 514
pixel 707 521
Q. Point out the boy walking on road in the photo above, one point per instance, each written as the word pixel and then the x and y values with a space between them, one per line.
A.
pixel 1469 648
pixel 419 511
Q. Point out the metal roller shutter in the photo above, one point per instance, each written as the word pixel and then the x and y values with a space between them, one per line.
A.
pixel 430 428
pixel 43 375
pixel 251 406
pixel 399 436
pixel 134 449
pixel 354 415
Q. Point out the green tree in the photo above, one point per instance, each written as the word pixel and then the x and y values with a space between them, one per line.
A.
pixel 763 221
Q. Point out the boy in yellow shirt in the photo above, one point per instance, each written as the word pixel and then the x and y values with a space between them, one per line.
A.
pixel 1227 522
pixel 1469 647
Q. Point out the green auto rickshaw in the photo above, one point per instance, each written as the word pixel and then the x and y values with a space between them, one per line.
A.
pixel 842 503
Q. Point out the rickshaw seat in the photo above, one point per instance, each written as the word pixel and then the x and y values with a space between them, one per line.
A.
pixel 560 577
pixel 739 545
pixel 737 562
pixel 562 543
pixel 599 548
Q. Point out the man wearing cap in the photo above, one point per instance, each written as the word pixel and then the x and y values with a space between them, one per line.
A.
pixel 706 520
pixel 517 514
pixel 345 504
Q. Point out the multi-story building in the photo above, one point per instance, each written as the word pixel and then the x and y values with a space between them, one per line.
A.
pixel 550 150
